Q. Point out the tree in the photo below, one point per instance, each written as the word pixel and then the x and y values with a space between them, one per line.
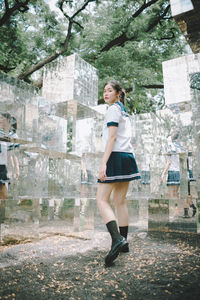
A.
pixel 64 47
pixel 29 33
pixel 11 8
pixel 42 24
pixel 48 18
pixel 124 39
pixel 134 38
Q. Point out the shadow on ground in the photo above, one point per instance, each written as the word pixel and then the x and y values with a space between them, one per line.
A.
pixel 158 266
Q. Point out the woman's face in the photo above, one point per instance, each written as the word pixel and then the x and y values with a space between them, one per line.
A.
pixel 110 95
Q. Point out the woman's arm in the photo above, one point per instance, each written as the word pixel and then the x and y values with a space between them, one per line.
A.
pixel 112 135
pixel 12 158
pixel 16 163
pixel 83 168
pixel 166 169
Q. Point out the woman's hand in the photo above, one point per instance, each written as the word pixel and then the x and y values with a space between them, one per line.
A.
pixel 17 175
pixel 102 172
pixel 163 178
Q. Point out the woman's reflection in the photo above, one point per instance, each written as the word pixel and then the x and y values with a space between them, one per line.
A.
pixel 172 167
pixel 6 155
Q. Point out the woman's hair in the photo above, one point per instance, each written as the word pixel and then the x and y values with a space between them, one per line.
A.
pixel 6 115
pixel 174 135
pixel 117 87
pixel 13 123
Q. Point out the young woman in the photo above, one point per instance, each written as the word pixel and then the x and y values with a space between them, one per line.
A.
pixel 6 154
pixel 118 167
pixel 172 167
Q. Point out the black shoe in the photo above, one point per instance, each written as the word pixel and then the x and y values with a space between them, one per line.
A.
pixel 125 248
pixel 114 252
pixel 194 212
pixel 186 215
pixel 194 209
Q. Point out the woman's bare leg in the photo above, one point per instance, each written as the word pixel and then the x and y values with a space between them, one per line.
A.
pixel 173 191
pixel 176 191
pixel 2 191
pixel 104 191
pixel 2 202
pixel 119 197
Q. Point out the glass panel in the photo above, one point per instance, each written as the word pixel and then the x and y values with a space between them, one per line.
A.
pixel 180 6
pixel 50 151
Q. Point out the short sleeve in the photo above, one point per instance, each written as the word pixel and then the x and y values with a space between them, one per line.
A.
pixel 113 116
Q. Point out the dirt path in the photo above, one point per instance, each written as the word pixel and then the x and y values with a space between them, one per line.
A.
pixel 159 266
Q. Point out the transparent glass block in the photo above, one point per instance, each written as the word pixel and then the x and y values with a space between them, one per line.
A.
pixel 71 78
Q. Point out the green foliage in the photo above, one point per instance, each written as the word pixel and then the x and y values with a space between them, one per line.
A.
pixel 138 61
pixel 145 40
pixel 32 36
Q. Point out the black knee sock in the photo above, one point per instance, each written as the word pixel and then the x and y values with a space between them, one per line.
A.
pixel 113 230
pixel 123 231
pixel 193 206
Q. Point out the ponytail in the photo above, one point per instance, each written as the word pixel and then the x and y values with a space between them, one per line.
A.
pixel 122 96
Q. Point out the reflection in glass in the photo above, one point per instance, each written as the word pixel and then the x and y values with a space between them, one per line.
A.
pixel 53 190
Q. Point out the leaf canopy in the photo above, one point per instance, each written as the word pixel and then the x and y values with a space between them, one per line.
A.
pixel 126 40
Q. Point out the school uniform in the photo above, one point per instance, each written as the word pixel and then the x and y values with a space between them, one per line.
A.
pixel 174 168
pixel 89 170
pixel 145 170
pixel 3 162
pixel 4 148
pixel 189 166
pixel 121 165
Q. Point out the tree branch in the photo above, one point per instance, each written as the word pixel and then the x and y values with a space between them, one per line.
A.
pixel 56 54
pixel 153 86
pixel 67 16
pixel 6 69
pixel 143 7
pixel 82 8
pixel 39 65
pixel 50 58
pixel 170 37
pixel 18 6
pixel 155 23
pixel 118 41
pixel 147 86
pixel 122 38
pixel 61 3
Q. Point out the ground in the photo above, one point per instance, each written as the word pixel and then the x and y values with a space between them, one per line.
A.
pixel 160 265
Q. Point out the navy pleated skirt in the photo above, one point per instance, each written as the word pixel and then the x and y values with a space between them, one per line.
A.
pixel 191 178
pixel 173 178
pixel 145 175
pixel 3 174
pixel 121 166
